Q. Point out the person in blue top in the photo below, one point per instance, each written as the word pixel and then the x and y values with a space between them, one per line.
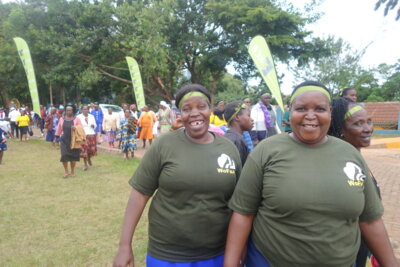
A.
pixel 3 143
pixel 98 116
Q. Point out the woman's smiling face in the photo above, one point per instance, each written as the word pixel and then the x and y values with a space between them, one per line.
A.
pixel 358 129
pixel 310 117
pixel 195 115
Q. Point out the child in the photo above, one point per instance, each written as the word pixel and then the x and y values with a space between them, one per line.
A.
pixel 237 115
pixel 3 143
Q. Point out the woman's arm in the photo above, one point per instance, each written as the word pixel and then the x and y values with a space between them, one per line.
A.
pixel 136 204
pixel 59 127
pixel 238 233
pixel 375 235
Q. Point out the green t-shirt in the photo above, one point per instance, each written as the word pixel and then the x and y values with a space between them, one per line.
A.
pixel 189 214
pixel 308 201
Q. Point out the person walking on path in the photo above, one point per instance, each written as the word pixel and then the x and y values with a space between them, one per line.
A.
pixel 264 118
pixel 64 130
pixel 192 173
pixel 146 123
pixel 164 117
pixel 23 125
pixel 89 149
pixel 98 116
pixel 3 143
pixel 50 123
pixel 13 115
pixel 110 125
pixel 127 135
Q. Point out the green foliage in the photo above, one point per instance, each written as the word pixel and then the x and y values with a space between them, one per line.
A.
pixel 342 69
pixel 374 98
pixel 390 5
pixel 230 89
pixel 79 47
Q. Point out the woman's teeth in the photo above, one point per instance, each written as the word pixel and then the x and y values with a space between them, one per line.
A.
pixel 195 123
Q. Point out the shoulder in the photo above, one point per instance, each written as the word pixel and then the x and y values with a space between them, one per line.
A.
pixel 225 142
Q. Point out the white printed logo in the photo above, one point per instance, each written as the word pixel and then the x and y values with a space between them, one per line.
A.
pixel 354 174
pixel 226 164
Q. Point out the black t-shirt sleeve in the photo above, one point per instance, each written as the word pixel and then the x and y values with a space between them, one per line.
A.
pixel 240 145
pixel 145 179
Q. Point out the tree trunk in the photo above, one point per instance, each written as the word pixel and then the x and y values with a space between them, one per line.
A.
pixel 78 95
pixel 5 97
pixel 63 95
pixel 51 94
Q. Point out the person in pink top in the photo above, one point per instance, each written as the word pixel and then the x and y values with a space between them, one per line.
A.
pixel 64 130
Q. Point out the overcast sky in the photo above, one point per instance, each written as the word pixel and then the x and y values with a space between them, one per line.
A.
pixel 358 23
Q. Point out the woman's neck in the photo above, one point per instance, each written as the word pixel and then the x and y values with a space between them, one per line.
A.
pixel 236 128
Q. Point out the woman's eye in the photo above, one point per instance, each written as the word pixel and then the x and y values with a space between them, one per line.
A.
pixel 300 109
pixel 320 109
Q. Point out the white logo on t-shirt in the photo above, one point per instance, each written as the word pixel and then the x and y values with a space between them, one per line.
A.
pixel 354 174
pixel 225 162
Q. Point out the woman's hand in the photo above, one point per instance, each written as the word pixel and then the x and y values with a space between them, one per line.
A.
pixel 73 128
pixel 124 257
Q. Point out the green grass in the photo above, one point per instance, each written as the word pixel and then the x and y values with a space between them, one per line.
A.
pixel 49 221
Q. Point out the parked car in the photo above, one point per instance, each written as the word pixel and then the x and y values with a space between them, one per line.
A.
pixel 115 109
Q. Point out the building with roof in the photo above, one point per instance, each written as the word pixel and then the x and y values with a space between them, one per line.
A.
pixel 385 115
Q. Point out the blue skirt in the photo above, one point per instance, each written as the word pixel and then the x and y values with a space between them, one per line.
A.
pixel 3 146
pixel 50 135
pixel 214 262
pixel 254 258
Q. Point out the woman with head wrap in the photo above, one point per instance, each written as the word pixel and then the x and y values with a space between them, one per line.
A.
pixel 65 126
pixel 127 134
pixel 304 196
pixel 188 216
pixel 352 123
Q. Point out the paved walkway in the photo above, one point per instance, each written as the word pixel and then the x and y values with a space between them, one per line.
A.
pixel 385 165
pixel 392 143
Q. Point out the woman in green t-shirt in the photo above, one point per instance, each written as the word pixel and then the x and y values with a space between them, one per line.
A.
pixel 192 173
pixel 352 123
pixel 305 196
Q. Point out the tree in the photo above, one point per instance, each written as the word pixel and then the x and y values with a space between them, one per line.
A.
pixel 79 47
pixel 339 70
pixel 390 5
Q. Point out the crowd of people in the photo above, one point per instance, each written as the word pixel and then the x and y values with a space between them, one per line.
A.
pixel 227 187
pixel 304 198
